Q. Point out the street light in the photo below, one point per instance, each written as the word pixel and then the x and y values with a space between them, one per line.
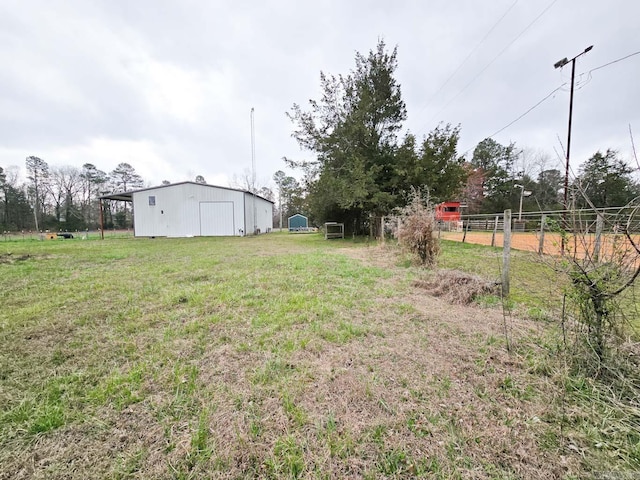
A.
pixel 523 193
pixel 560 64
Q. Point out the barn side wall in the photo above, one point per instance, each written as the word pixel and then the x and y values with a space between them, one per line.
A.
pixel 264 214
pixel 186 210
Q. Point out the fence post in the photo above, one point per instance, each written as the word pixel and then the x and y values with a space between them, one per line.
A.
pixel 506 253
pixel 371 226
pixel 464 236
pixel 543 221
pixel 596 248
pixel 495 230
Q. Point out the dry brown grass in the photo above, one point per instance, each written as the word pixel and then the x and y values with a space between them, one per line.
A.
pixel 457 287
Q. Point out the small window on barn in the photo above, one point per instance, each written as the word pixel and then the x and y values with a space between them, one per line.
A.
pixel 152 200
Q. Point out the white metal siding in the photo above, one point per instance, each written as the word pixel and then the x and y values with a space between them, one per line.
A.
pixel 264 214
pixel 216 218
pixel 177 212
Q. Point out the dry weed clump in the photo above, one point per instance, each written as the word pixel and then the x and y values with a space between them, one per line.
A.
pixel 416 230
pixel 457 287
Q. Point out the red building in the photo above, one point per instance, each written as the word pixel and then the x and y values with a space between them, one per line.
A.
pixel 448 211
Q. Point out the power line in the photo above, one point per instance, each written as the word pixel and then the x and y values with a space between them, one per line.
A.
pixel 446 82
pixel 528 111
pixel 522 115
pixel 582 84
pixel 614 61
pixel 493 60
pixel 554 91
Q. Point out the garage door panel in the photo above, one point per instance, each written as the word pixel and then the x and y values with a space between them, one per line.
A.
pixel 216 219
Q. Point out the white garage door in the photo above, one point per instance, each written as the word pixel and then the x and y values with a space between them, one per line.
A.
pixel 216 219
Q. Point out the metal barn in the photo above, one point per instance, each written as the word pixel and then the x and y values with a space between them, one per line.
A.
pixel 190 209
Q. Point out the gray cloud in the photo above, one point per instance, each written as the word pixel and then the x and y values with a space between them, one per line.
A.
pixel 169 86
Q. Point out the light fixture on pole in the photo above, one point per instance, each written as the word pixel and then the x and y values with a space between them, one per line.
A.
pixel 560 64
pixel 523 193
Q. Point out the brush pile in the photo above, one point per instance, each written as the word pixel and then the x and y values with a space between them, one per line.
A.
pixel 457 287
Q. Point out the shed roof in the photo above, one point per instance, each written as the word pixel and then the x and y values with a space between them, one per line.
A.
pixel 128 195
pixel 297 215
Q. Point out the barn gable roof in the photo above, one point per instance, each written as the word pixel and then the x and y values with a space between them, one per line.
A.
pixel 128 195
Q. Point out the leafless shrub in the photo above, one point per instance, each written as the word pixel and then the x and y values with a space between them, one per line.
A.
pixel 599 271
pixel 416 228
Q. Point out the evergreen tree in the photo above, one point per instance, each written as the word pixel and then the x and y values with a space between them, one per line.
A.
pixel 361 169
pixel 352 130
pixel 496 163
pixel 547 190
pixel 125 178
pixel 606 181
pixel 434 166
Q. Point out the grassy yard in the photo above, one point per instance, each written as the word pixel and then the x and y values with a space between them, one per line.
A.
pixel 283 356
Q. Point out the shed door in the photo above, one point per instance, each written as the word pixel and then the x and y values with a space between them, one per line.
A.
pixel 216 219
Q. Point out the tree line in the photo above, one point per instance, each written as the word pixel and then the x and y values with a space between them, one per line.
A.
pixel 63 198
pixel 361 168
pixel 66 197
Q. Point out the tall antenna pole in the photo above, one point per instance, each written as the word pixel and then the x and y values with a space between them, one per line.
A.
pixel 253 174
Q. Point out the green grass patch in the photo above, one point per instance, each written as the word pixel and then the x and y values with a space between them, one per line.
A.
pixel 269 357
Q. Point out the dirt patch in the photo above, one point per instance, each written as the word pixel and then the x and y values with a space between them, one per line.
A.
pixel 10 258
pixel 379 255
pixel 457 287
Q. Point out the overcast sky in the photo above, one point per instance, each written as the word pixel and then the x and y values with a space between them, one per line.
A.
pixel 168 86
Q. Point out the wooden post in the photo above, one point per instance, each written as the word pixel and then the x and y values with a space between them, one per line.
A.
pixel 466 228
pixel 598 243
pixel 506 253
pixel 101 219
pixel 495 230
pixel 543 221
pixel 382 229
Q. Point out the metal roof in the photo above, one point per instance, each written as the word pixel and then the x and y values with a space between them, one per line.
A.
pixel 128 196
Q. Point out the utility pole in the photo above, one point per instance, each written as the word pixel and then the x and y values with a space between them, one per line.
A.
pixel 560 64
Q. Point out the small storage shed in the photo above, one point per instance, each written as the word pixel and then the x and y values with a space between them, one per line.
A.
pixel 190 209
pixel 298 223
